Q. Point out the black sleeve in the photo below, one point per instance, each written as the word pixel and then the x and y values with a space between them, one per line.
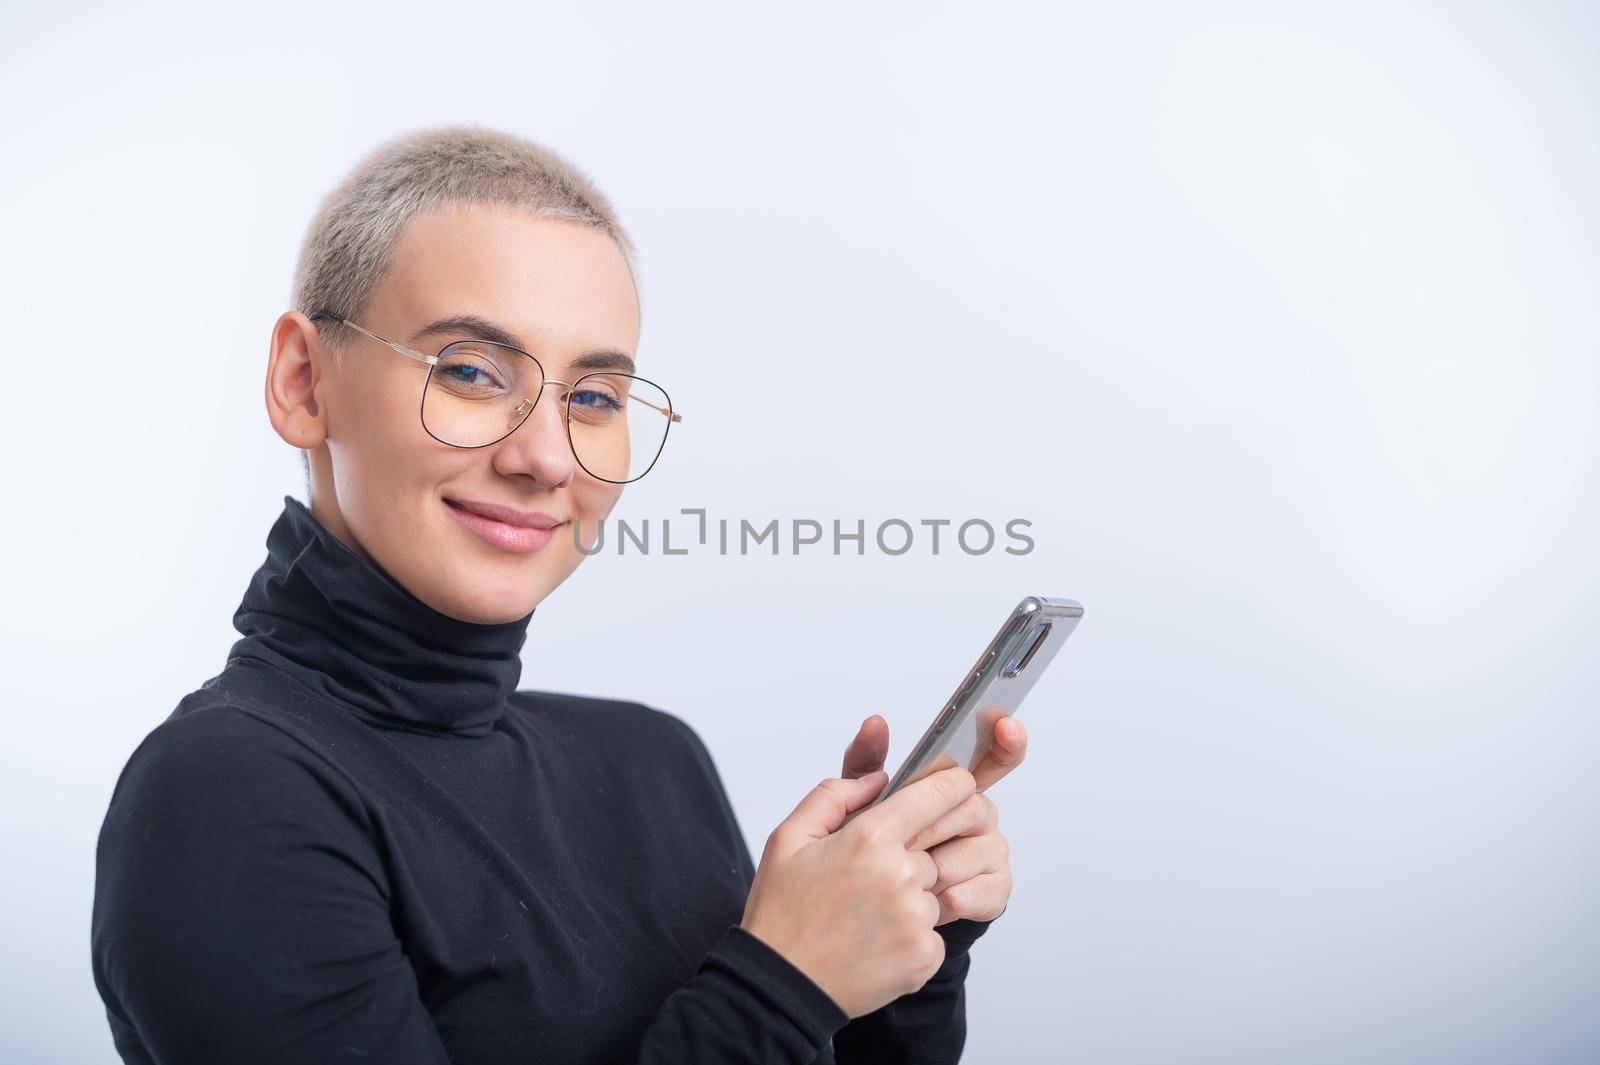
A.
pixel 240 912
pixel 928 1025
pixel 747 1004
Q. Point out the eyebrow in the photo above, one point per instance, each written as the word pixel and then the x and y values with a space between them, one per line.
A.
pixel 477 327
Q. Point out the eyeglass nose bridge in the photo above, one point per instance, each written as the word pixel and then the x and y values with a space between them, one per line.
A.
pixel 523 409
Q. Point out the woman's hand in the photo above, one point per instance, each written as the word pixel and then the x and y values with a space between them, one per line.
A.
pixel 973 859
pixel 852 906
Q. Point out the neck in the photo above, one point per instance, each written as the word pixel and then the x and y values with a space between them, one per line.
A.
pixel 337 622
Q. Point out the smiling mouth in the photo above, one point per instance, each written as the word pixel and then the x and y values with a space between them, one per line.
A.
pixel 516 538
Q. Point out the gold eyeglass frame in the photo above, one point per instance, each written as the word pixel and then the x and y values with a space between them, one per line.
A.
pixel 524 408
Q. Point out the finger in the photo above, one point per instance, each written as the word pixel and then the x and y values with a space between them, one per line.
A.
pixel 931 902
pixel 966 857
pixel 825 807
pixel 943 761
pixel 982 898
pixel 918 805
pixel 972 818
pixel 868 751
pixel 1010 746
pixel 927 868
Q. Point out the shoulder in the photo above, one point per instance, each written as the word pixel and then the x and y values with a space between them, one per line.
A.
pixel 236 872
pixel 213 764
pixel 215 810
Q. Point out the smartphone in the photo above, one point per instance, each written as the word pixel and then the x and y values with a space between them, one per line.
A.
pixel 994 687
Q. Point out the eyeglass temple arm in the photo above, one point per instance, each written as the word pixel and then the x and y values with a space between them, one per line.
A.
pixel 671 414
pixel 431 359
pixel 401 348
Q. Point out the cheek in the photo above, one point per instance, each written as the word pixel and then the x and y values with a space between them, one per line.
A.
pixel 380 427
pixel 387 472
pixel 591 503
pixel 593 500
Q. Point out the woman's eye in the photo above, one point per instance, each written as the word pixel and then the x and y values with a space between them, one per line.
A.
pixel 595 401
pixel 468 375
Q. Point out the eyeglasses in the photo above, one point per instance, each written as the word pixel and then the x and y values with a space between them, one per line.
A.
pixel 478 392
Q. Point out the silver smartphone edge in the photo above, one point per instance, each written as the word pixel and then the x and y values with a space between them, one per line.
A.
pixel 974 686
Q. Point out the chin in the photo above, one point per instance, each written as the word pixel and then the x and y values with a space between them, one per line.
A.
pixel 491 609
pixel 508 590
pixel 477 593
pixel 486 585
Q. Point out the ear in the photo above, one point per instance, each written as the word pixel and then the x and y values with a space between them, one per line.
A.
pixel 297 361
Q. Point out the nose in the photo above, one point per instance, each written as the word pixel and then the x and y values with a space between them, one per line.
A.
pixel 539 448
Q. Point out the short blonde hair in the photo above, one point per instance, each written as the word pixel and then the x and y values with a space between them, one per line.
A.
pixel 349 245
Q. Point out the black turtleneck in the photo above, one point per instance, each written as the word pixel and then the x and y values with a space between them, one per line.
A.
pixel 359 842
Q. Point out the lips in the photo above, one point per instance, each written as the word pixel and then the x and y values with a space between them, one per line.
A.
pixel 528 519
pixel 507 528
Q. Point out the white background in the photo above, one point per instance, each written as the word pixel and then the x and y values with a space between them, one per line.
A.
pixel 1277 322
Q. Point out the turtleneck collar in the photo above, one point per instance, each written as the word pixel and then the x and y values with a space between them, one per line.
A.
pixel 339 624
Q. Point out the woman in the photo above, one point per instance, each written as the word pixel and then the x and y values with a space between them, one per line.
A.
pixel 360 842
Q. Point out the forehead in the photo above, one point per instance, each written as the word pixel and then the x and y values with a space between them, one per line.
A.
pixel 556 283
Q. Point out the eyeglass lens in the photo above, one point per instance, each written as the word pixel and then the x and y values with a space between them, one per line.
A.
pixel 478 392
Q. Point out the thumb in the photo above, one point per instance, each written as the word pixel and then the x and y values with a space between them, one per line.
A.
pixel 827 805
pixel 869 749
